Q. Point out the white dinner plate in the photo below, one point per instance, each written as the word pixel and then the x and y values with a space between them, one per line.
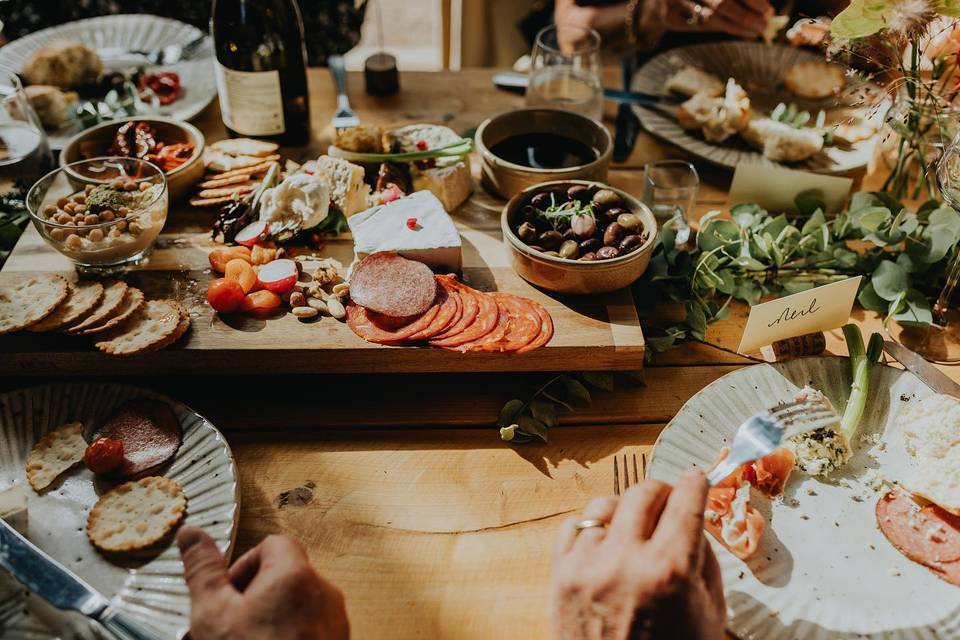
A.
pixel 130 32
pixel 823 569
pixel 759 69
pixel 149 587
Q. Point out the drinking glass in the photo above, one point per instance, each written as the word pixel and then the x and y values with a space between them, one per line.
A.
pixel 670 190
pixel 24 151
pixel 566 77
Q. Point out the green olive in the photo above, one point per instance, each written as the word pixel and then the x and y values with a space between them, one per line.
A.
pixel 550 239
pixel 570 249
pixel 527 232
pixel 629 221
pixel 606 198
pixel 551 253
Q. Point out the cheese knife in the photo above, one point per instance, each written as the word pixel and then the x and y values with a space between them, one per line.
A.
pixel 928 374
pixel 519 81
pixel 628 124
pixel 59 586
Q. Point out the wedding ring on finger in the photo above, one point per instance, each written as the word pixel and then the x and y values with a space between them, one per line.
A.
pixel 590 523
pixel 697 16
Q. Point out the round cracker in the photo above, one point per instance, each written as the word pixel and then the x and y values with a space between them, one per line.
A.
pixel 132 300
pixel 136 515
pixel 25 300
pixel 113 294
pixel 83 299
pixel 146 329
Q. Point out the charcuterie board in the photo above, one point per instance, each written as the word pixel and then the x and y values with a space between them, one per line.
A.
pixel 591 332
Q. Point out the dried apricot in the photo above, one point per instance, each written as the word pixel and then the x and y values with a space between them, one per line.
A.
pixel 225 295
pixel 220 257
pixel 240 270
pixel 262 255
pixel 262 301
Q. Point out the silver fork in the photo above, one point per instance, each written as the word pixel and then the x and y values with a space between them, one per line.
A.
pixel 344 118
pixel 170 54
pixel 626 473
pixel 762 432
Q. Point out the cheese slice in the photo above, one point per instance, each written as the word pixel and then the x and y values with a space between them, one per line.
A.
pixel 13 508
pixel 450 179
pixel 429 237
pixel 348 191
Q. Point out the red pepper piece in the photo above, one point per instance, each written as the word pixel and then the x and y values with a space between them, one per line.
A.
pixel 412 224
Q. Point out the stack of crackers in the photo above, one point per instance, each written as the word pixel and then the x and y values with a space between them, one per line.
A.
pixel 118 316
pixel 234 168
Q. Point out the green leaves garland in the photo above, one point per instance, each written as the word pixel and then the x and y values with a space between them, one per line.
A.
pixel 903 257
pixel 13 219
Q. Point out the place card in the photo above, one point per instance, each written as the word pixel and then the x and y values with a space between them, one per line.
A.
pixel 775 188
pixel 819 309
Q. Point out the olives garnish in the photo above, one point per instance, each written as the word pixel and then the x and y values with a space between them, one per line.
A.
pixel 579 192
pixel 630 243
pixel 590 245
pixel 550 239
pixel 606 198
pixel 613 234
pixel 570 250
pixel 541 200
pixel 606 253
pixel 527 232
pixel 629 221
pixel 583 225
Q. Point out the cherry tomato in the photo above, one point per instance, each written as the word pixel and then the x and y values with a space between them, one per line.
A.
pixel 103 455
pixel 225 295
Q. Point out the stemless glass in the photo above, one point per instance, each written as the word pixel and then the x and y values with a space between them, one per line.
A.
pixel 24 152
pixel 670 190
pixel 565 71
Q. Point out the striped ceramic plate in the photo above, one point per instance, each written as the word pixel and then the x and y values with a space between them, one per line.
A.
pixel 759 69
pixel 148 586
pixel 823 569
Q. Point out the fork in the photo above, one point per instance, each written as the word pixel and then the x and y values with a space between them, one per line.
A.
pixel 762 432
pixel 344 118
pixel 626 473
pixel 170 54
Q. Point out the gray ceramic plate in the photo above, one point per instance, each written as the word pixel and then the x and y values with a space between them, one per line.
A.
pixel 150 587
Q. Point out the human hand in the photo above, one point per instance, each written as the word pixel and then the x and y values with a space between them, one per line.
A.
pixel 742 18
pixel 270 593
pixel 607 20
pixel 649 574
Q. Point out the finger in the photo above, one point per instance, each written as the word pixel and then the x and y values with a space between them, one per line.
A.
pixel 761 7
pixel 598 509
pixel 723 24
pixel 681 525
pixel 203 566
pixel 243 571
pixel 695 18
pixel 734 14
pixel 566 536
pixel 639 510
pixel 280 556
pixel 713 578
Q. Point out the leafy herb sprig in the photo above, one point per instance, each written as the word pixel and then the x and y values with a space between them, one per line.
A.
pixel 903 257
pixel 13 219
pixel 559 216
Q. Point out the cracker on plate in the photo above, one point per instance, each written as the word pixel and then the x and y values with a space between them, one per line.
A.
pixel 220 161
pixel 136 515
pixel 254 170
pixel 54 454
pixel 27 299
pixel 82 299
pixel 222 192
pixel 245 147
pixel 210 202
pixel 132 300
pixel 240 178
pixel 146 330
pixel 113 295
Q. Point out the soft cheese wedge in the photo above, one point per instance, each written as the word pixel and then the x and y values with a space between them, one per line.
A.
pixel 348 191
pixel 449 180
pixel 13 508
pixel 417 227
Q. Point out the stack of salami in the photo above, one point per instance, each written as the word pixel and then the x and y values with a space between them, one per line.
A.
pixel 397 301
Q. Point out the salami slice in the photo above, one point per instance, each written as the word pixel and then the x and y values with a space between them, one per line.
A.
pixel 468 315
pixel 392 285
pixel 488 314
pixel 149 432
pixel 949 571
pixel 546 329
pixel 445 313
pixel 523 325
pixel 928 535
pixel 363 323
pixel 491 340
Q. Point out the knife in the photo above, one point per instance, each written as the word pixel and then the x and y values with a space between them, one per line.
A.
pixel 928 374
pixel 628 124
pixel 509 80
pixel 56 584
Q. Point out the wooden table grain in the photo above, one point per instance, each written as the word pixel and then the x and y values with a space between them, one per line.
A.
pixel 399 485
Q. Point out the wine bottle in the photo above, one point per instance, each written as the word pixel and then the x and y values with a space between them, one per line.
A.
pixel 261 69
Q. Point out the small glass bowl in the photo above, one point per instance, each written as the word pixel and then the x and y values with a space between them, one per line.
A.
pixel 109 234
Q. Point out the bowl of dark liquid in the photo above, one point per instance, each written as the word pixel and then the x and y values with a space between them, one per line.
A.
pixel 526 147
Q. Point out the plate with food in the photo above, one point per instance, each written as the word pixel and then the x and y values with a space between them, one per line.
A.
pixel 752 103
pixel 101 476
pixel 841 531
pixel 79 74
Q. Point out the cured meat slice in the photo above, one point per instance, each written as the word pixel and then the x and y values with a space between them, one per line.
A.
pixel 469 313
pixel 771 472
pixel 546 329
pixel 523 325
pixel 447 307
pixel 949 571
pixel 730 517
pixel 487 318
pixel 149 431
pixel 489 340
pixel 373 328
pixel 394 286
pixel 928 535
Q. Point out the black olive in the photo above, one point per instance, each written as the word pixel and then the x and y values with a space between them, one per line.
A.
pixel 588 257
pixel 569 235
pixel 630 243
pixel 613 213
pixel 579 192
pixel 591 244
pixel 541 201
pixel 606 253
pixel 550 239
pixel 527 232
pixel 613 234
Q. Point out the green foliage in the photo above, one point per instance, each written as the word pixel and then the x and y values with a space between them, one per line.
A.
pixel 902 256
pixel 13 219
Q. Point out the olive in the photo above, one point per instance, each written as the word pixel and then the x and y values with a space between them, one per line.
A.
pixel 613 213
pixel 629 221
pixel 527 232
pixel 536 247
pixel 541 200
pixel 552 253
pixel 613 234
pixel 570 249
pixel 530 214
pixel 590 245
pixel 606 253
pixel 630 243
pixel 569 235
pixel 550 239
pixel 583 225
pixel 588 257
pixel 579 192
pixel 606 198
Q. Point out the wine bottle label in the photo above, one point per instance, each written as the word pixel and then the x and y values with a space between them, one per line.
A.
pixel 251 102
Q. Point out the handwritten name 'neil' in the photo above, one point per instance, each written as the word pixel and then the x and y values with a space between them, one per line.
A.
pixel 789 313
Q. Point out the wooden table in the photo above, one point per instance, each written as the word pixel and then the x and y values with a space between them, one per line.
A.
pixel 399 485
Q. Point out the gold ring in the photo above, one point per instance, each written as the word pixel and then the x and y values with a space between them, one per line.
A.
pixel 697 16
pixel 589 524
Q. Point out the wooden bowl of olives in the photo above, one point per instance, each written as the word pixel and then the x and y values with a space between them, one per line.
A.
pixel 578 237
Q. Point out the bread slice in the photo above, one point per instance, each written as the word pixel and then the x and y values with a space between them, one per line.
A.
pixel 690 81
pixel 930 429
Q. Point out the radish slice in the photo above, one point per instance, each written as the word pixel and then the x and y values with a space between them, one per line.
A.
pixel 250 234
pixel 278 276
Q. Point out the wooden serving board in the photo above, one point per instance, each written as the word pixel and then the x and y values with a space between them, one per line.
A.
pixel 591 332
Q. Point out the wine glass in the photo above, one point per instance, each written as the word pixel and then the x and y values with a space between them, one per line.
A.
pixel 940 341
pixel 24 151
pixel 565 71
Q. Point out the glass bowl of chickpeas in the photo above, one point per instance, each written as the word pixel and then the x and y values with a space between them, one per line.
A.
pixel 104 214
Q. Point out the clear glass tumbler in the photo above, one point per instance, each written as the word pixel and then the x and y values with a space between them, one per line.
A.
pixel 565 71
pixel 24 151
pixel 670 190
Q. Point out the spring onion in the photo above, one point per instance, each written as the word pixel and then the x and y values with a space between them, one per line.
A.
pixel 458 149
pixel 861 364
